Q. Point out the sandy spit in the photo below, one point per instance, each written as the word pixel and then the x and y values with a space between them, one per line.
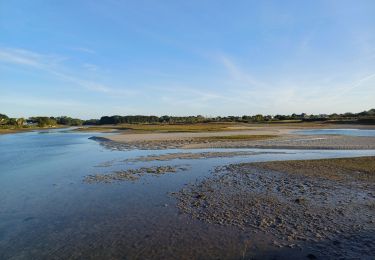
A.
pixel 285 139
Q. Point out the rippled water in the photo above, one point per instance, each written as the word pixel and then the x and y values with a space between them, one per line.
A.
pixel 47 212
pixel 349 132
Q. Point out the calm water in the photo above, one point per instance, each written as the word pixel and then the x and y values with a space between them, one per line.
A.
pixel 47 212
pixel 350 132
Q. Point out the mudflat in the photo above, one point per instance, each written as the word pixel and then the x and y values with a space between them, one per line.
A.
pixel 323 207
pixel 253 136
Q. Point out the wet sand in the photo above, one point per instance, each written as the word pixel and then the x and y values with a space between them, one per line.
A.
pixel 277 137
pixel 132 174
pixel 325 207
pixel 327 142
pixel 189 156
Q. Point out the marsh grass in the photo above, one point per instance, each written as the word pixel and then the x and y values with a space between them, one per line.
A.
pixel 15 129
pixel 166 128
pixel 199 127
pixel 237 137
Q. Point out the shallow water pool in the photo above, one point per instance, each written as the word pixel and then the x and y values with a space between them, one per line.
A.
pixel 349 132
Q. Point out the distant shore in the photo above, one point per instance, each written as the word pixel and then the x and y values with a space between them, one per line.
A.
pixel 4 131
pixel 223 135
pixel 252 136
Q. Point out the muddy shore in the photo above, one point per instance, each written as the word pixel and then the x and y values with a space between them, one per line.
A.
pixel 132 174
pixel 301 204
pixel 202 155
pixel 280 141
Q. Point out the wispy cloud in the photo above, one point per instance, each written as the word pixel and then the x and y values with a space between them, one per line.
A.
pixel 349 87
pixel 289 92
pixel 361 81
pixel 90 67
pixel 26 58
pixel 83 49
pixel 53 65
pixel 238 74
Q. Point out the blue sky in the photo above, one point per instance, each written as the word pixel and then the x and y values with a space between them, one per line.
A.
pixel 91 58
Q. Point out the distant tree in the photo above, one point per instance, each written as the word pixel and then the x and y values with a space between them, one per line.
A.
pixel 105 120
pixel 64 120
pixel 164 119
pixel 3 119
pixel 43 121
pixel 259 118
pixel 76 122
pixel 20 122
pixel 12 121
pixel 91 122
pixel 348 115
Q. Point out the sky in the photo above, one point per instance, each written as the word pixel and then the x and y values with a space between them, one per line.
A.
pixel 91 58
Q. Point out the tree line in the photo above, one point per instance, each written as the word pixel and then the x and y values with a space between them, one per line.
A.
pixel 39 121
pixel 362 117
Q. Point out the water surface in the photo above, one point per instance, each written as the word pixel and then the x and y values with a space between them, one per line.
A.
pixel 47 212
pixel 348 132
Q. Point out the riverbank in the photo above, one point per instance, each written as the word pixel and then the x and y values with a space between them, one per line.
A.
pixel 250 136
pixel 27 129
pixel 324 207
pixel 16 130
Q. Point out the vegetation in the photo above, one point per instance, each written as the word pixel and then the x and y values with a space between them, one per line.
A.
pixel 198 127
pixel 164 128
pixel 3 119
pixel 237 137
pixel 42 121
pixel 362 117
pixel 182 124
pixel 10 125
pixel 150 119
pixel 64 120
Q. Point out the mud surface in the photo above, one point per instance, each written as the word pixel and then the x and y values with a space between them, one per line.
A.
pixel 326 207
pixel 133 174
pixel 202 155
pixel 314 142
pixel 285 141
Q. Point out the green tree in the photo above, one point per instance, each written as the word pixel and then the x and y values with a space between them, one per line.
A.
pixel 3 119
pixel 20 122
pixel 44 121
pixel 12 121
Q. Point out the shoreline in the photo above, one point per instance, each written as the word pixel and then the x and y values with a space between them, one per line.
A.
pixel 261 137
pixel 115 145
pixel 4 131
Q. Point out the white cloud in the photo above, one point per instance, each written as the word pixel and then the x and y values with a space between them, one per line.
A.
pixel 238 74
pixel 83 49
pixel 53 65
pixel 90 67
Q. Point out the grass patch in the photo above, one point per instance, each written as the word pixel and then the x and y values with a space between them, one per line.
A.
pixel 15 129
pixel 237 137
pixel 169 128
pixel 96 129
pixel 200 127
pixel 166 128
